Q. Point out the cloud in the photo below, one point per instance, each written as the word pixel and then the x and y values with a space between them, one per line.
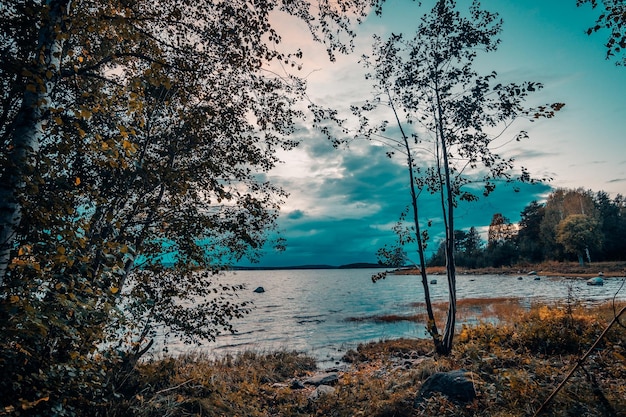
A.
pixel 617 180
pixel 344 203
pixel 295 215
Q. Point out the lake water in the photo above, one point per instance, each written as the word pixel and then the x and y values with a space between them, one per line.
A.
pixel 309 310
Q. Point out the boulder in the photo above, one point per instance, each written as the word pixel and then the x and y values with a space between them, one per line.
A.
pixel 456 385
pixel 595 281
pixel 321 391
pixel 329 378
pixel 259 290
pixel 295 384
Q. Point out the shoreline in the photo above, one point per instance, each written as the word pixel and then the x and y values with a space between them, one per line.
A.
pixel 546 269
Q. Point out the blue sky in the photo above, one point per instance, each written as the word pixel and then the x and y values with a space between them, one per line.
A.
pixel 343 202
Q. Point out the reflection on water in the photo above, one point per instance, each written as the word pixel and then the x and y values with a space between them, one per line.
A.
pixel 314 310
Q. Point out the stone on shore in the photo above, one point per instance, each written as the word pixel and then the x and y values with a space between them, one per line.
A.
pixel 259 290
pixel 456 385
pixel 329 378
pixel 320 391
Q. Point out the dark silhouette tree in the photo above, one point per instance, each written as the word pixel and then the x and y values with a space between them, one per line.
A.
pixel 501 243
pixel 612 19
pixel 529 241
pixel 612 225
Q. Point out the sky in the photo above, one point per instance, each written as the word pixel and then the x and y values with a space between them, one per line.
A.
pixel 343 202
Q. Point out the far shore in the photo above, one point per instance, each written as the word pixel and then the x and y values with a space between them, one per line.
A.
pixel 546 269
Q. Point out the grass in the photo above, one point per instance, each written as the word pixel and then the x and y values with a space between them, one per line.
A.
pixel 515 364
pixel 548 268
pixel 492 309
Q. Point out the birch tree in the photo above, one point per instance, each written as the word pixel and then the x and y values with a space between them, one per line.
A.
pixel 135 136
pixel 449 117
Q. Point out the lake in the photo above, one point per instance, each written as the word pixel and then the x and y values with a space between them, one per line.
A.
pixel 311 310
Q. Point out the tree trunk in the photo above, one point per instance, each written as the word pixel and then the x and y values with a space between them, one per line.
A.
pixel 448 333
pixel 431 325
pixel 27 130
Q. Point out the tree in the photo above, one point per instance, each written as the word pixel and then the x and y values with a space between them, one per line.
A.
pixel 612 226
pixel 501 247
pixel 560 204
pixel 468 246
pixel 132 136
pixel 500 229
pixel 529 242
pixel 469 250
pixel 579 234
pixel 431 89
pixel 613 19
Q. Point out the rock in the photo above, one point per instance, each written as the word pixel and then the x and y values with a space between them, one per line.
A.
pixel 433 281
pixel 595 281
pixel 321 391
pixel 537 278
pixel 330 378
pixel 520 278
pixel 295 384
pixel 532 273
pixel 456 385
pixel 259 290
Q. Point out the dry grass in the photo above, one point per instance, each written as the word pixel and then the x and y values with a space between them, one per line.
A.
pixel 515 364
pixel 475 309
pixel 549 268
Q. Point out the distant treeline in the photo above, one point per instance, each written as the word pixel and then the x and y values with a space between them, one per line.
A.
pixel 571 225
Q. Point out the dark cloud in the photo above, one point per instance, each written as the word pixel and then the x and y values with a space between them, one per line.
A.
pixel 357 210
pixel 295 215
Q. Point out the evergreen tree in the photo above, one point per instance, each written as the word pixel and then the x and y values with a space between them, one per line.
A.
pixel 529 243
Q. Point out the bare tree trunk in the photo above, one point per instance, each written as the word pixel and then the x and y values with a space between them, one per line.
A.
pixel 448 334
pixel 27 130
pixel 431 325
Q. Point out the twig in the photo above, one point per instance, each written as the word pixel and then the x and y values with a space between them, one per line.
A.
pixel 173 388
pixel 579 363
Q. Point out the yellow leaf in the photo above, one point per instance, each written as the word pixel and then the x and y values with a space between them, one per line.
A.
pixel 14 299
pixel 61 250
pixel 31 88
pixel 77 181
pixel 114 290
pixel 30 404
pixel 48 74
pixel 126 144
pixel 80 59
pixel 58 121
pixel 619 356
